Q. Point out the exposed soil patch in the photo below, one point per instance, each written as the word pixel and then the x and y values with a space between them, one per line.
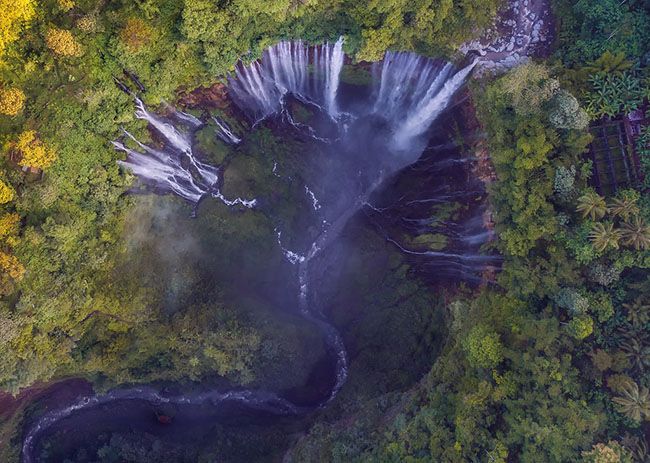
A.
pixel 206 98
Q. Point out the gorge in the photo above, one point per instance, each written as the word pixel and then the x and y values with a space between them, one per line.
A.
pixel 358 139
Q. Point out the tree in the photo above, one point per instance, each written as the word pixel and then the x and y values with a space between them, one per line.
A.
pixel 6 193
pixel 603 274
pixel 571 300
pixel 637 311
pixel 11 272
pixel 637 353
pixel 593 205
pixel 581 326
pixel 604 235
pixel 9 228
pixel 11 101
pixel 565 112
pixel 592 27
pixel 34 153
pixel 638 449
pixel 13 14
pixel 625 206
pixel 528 86
pixel 66 5
pixel 564 182
pixel 636 234
pixel 483 347
pixel 635 402
pixel 611 452
pixel 136 35
pixel 62 43
pixel 609 63
pixel 87 23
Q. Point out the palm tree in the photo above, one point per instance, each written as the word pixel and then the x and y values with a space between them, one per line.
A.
pixel 634 403
pixel 592 204
pixel 638 354
pixel 624 207
pixel 640 453
pixel 637 448
pixel 636 233
pixel 637 312
pixel 604 235
pixel 609 63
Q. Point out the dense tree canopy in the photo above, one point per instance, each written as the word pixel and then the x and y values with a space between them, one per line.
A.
pixel 548 365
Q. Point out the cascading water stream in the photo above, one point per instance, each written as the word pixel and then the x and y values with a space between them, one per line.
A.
pixel 224 132
pixel 285 69
pixel 411 92
pixel 165 168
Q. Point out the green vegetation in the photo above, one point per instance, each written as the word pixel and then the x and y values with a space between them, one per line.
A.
pixel 550 365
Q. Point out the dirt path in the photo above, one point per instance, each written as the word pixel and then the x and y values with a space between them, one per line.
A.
pixel 524 28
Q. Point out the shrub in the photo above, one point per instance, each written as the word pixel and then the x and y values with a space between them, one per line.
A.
pixel 564 183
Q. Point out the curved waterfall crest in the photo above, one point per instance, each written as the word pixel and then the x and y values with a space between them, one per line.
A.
pixel 409 93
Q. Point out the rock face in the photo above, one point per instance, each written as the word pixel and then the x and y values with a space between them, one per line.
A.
pixel 207 98
pixel 521 30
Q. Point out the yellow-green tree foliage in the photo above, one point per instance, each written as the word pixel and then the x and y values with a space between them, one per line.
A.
pixel 611 452
pixel 11 271
pixel 9 228
pixel 136 35
pixel 404 24
pixel 34 153
pixel 6 193
pixel 61 42
pixel 11 101
pixel 483 347
pixel 528 86
pixel 87 23
pixel 66 5
pixel 13 13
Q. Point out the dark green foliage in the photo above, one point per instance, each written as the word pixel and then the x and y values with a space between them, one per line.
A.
pixel 590 27
pixel 613 94
pixel 539 369
pixel 643 150
pixel 514 382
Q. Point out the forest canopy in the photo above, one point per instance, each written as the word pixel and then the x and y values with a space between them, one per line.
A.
pixel 548 364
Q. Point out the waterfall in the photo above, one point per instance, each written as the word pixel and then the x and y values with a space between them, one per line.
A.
pixel 411 90
pixel 333 65
pixel 429 108
pixel 406 81
pixel 260 88
pixel 175 168
pixel 224 132
pixel 179 141
pixel 410 93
